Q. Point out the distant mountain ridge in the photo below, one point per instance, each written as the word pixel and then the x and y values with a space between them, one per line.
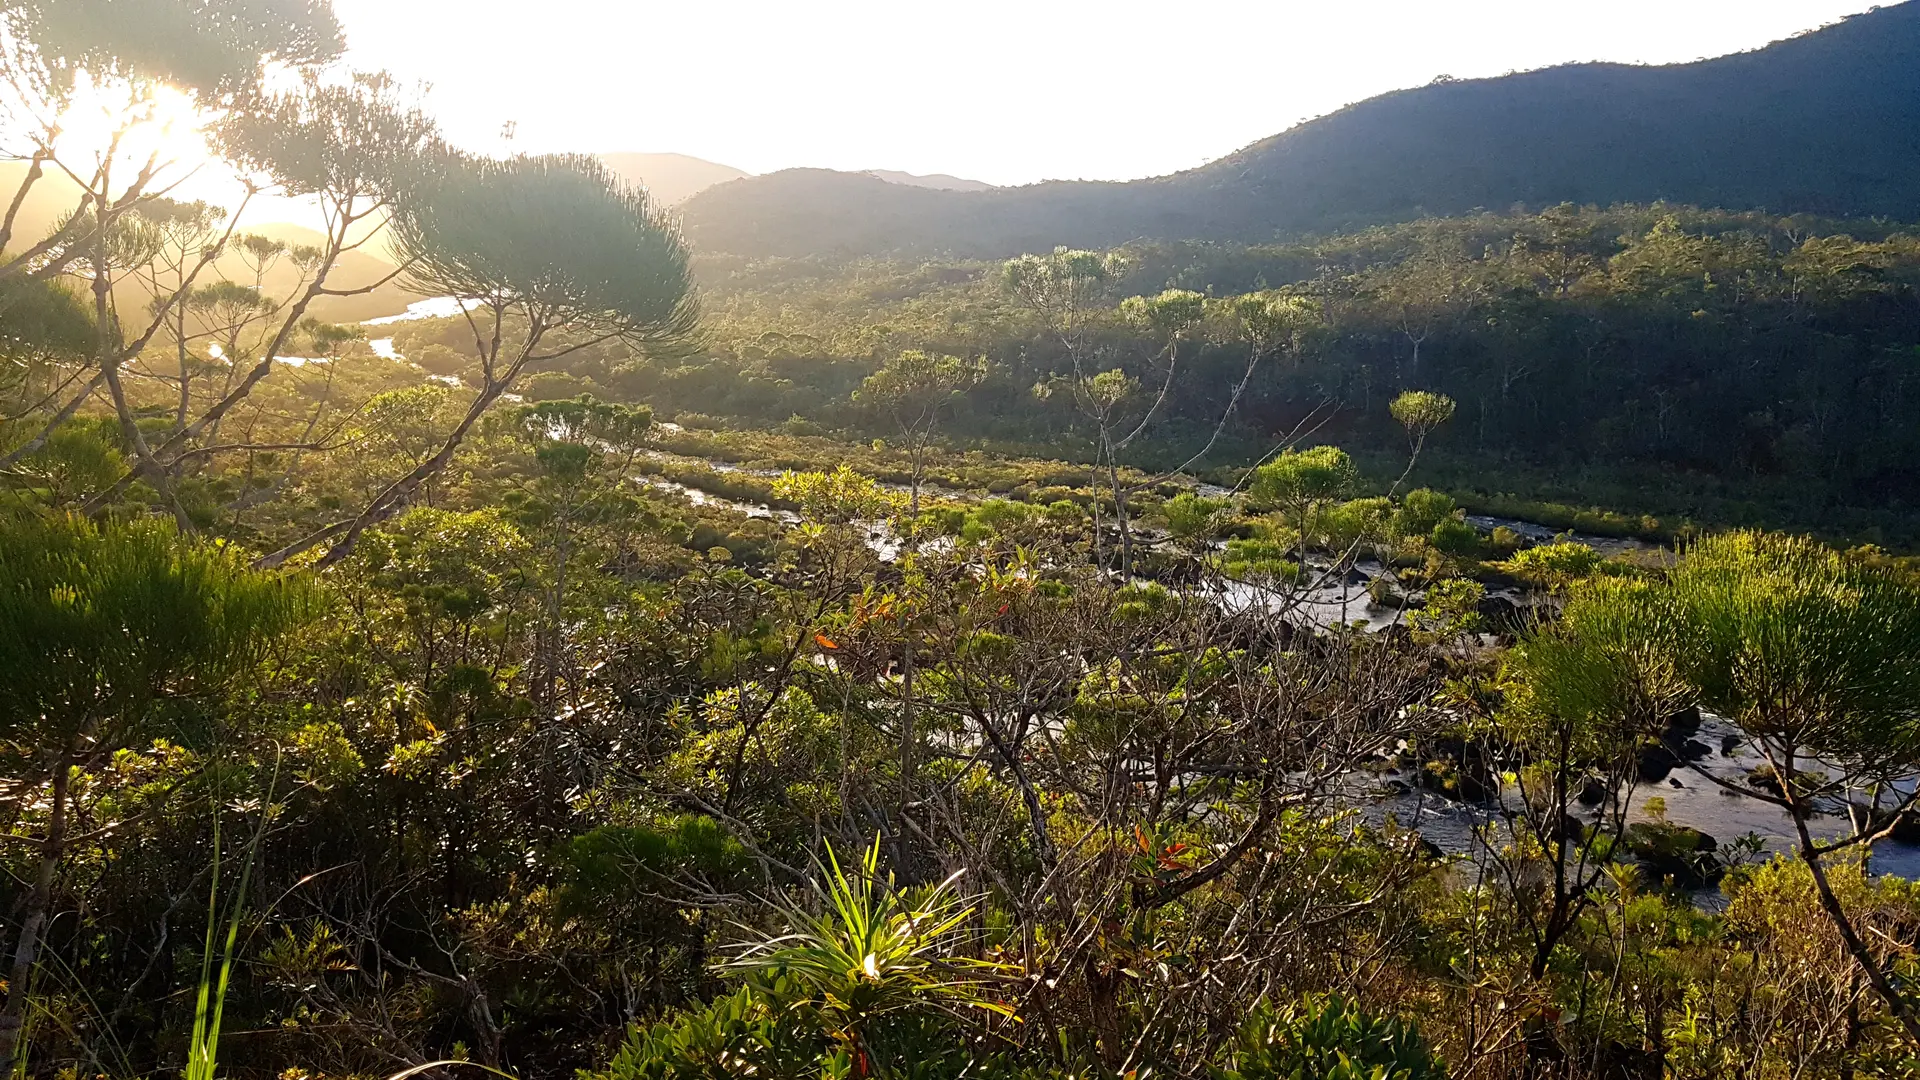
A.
pixel 675 178
pixel 1827 122
pixel 671 178
pixel 937 181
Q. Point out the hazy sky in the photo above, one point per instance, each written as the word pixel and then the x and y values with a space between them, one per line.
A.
pixel 1007 91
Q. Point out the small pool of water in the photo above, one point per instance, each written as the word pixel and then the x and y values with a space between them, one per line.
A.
pixel 1690 799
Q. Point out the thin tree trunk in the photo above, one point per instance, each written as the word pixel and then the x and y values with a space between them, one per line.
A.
pixel 1897 1003
pixel 13 1018
pixel 556 606
pixel 186 373
pixel 395 497
pixel 1556 928
pixel 913 492
pixel 906 721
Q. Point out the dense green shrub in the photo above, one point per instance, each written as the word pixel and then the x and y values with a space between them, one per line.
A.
pixel 1327 1038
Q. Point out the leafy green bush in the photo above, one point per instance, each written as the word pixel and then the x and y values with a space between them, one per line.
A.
pixel 738 1035
pixel 1421 510
pixel 1328 1038
pixel 1456 538
pixel 1260 561
pixel 1554 563
pixel 607 867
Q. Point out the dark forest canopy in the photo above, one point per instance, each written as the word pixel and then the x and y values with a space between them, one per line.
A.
pixel 1820 123
pixel 1662 359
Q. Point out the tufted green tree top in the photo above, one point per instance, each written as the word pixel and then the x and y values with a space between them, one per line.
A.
pixel 548 255
pixel 1816 655
pixel 557 240
pixel 1301 483
pixel 206 47
pixel 913 388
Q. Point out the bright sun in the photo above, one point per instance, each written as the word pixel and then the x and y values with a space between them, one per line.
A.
pixel 125 128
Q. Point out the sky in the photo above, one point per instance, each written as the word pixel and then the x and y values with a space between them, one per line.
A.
pixel 1005 91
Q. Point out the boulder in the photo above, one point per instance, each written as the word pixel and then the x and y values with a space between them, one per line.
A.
pixel 1457 769
pixel 1656 761
pixel 1568 828
pixel 1906 830
pixel 1679 853
pixel 1685 722
pixel 1592 791
pixel 1765 779
pixel 1499 612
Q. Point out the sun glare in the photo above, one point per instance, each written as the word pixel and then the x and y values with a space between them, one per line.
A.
pixel 124 128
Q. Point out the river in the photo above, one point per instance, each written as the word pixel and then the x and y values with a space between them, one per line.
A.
pixel 1336 599
pixel 1341 599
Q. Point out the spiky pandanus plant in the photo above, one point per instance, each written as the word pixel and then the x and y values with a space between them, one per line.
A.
pixel 875 950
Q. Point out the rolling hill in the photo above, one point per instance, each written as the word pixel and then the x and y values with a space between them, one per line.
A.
pixel 941 181
pixel 1827 122
pixel 671 178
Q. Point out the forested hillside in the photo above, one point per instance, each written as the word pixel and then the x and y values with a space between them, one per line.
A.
pixel 1664 360
pixel 1824 123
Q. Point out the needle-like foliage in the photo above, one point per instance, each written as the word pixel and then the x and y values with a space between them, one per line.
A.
pixel 1799 642
pixel 557 237
pixel 101 627
pixel 97 622
pixel 208 46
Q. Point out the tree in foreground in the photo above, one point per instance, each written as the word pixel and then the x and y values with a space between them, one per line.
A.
pixel 123 57
pixel 547 255
pixel 1816 656
pixel 1583 695
pixel 581 450
pixel 107 635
